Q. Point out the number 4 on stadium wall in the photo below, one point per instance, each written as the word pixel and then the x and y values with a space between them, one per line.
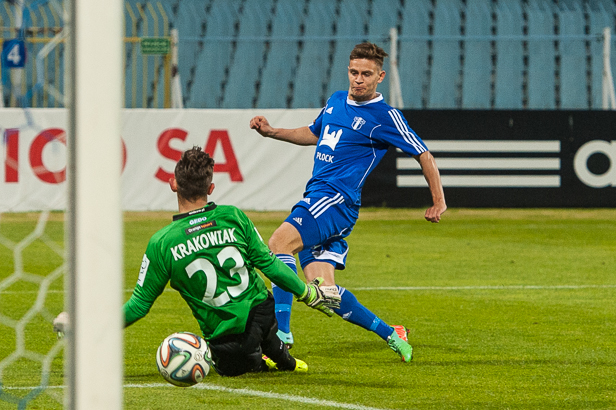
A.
pixel 216 137
pixel 14 53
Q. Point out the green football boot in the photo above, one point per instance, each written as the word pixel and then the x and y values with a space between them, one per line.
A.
pixel 300 365
pixel 399 344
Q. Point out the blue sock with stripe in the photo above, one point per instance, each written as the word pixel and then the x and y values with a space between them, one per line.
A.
pixel 353 311
pixel 283 299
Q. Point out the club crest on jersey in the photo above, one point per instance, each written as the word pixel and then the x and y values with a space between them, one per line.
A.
pixel 357 123
pixel 330 139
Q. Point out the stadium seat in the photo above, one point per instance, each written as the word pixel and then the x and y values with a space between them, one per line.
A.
pixel 477 67
pixel 445 69
pixel 541 64
pixel 281 59
pixel 509 56
pixel 314 60
pixel 305 59
pixel 240 90
pixel 573 93
pixel 383 16
pixel 214 61
pixel 190 21
pixel 414 52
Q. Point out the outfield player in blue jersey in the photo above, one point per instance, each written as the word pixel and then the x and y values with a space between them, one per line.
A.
pixel 351 134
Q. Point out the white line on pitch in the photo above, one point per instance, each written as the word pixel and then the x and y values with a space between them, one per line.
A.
pixel 243 392
pixel 270 395
pixel 478 287
pixel 495 287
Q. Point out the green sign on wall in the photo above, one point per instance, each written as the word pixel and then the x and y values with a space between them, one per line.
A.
pixel 155 45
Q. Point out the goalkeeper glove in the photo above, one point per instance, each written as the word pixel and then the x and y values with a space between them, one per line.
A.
pixel 314 297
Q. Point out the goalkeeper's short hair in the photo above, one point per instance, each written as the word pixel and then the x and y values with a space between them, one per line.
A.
pixel 193 174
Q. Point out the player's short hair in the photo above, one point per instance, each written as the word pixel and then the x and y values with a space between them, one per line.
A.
pixel 369 51
pixel 193 174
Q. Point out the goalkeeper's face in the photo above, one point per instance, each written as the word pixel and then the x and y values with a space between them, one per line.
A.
pixel 364 76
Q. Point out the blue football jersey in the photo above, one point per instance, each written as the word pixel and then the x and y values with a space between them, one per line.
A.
pixel 353 138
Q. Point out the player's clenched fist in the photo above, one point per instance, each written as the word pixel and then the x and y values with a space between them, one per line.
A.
pixel 261 125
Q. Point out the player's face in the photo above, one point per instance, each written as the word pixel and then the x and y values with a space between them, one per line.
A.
pixel 364 76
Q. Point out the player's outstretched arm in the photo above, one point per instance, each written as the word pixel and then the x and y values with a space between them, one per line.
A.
pixel 314 297
pixel 297 136
pixel 433 177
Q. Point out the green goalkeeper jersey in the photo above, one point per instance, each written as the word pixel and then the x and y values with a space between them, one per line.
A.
pixel 209 255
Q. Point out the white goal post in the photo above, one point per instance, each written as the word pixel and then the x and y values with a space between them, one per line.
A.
pixel 94 228
pixel 395 89
pixel 609 96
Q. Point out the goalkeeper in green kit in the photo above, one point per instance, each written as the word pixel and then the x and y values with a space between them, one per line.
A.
pixel 209 254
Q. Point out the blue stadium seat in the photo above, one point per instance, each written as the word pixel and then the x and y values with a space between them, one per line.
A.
pixel 240 91
pixel 509 56
pixel 446 57
pixel 573 93
pixel 414 53
pixel 384 15
pixel 541 64
pixel 314 56
pixel 190 19
pixel 214 71
pixel 281 60
pixel 215 58
pixel 476 93
pixel 350 26
pixel 191 16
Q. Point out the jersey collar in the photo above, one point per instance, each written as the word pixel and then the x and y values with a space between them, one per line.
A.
pixel 379 97
pixel 210 206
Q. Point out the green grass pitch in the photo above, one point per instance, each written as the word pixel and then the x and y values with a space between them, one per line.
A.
pixel 507 309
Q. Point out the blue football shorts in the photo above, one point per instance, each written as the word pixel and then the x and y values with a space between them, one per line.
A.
pixel 323 220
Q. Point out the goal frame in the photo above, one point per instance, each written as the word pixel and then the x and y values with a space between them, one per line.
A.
pixel 94 219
